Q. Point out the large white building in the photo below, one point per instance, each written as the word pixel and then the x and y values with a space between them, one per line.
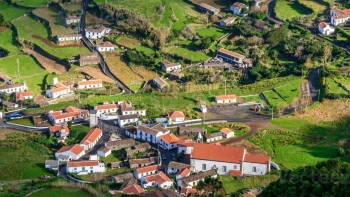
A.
pixel 235 58
pixel 144 171
pixel 57 89
pixel 176 116
pixel 16 87
pixel 228 160
pixel 175 167
pixel 127 119
pixel 339 16
pixel 90 139
pixel 106 109
pixel 185 147
pixel 150 134
pixel 325 29
pixel 127 109
pixel 69 37
pixel 169 66
pixel 105 47
pixel 73 152
pixel 71 19
pixel 70 114
pixel 237 7
pixel 97 32
pixel 90 84
pixel 85 167
pixel 229 98
pixel 168 141
pixel 156 180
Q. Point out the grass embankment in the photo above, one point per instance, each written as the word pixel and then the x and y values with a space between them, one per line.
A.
pixel 132 43
pixel 7 39
pixel 287 10
pixel 59 192
pixel 232 185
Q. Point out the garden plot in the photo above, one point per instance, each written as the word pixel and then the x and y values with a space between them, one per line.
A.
pixel 71 6
pixel 28 66
pixel 335 88
pixel 10 12
pixel 209 32
pixel 194 56
pixel 287 10
pixel 290 92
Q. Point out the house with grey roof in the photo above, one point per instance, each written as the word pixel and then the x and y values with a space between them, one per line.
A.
pixel 192 180
pixel 212 137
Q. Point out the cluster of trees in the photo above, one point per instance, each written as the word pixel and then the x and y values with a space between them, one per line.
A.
pixel 134 57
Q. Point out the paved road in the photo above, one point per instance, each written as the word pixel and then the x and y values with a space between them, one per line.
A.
pixel 271 15
pixel 313 83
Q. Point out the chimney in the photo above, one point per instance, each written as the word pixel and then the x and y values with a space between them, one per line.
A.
pixel 55 80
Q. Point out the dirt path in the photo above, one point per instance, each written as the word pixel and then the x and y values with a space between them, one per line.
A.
pixel 48 64
pixel 50 44
pixel 95 72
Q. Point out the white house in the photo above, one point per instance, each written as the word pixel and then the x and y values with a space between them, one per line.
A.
pixel 212 137
pixel 228 160
pixel 237 7
pixel 69 37
pixel 90 139
pixel 168 141
pixel 325 29
pixel 16 87
pixel 144 171
pixel 90 84
pixel 227 21
pixel 208 9
pixel 70 114
pixel 94 157
pixel 72 19
pixel 57 89
pixel 156 180
pixel 339 16
pixel 183 173
pixel 74 151
pixel 169 66
pixel 203 108
pixel 105 47
pixel 160 83
pixel 175 167
pixel 151 134
pixel 185 147
pixel 59 131
pixel 233 57
pixel 127 119
pixel 97 32
pixel 21 96
pixel 131 189
pixel 127 109
pixel 192 180
pixel 227 133
pixel 106 109
pixel 176 116
pixel 51 164
pixel 85 167
pixel 229 98
pixel 104 152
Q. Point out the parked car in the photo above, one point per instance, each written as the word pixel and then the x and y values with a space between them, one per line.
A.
pixel 163 157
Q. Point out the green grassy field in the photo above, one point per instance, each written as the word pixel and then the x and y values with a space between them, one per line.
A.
pixel 208 32
pixel 334 87
pixel 216 127
pixel 116 155
pixel 274 98
pixel 37 172
pixel 189 54
pixel 23 121
pixel 290 92
pixel 231 185
pixel 78 133
pixel 6 39
pixel 71 6
pixel 34 83
pixel 28 66
pixel 31 3
pixel 56 22
pixel 27 24
pixel 10 12
pixel 287 10
pixel 146 50
pixel 59 192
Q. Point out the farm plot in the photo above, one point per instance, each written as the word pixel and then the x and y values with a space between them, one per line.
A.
pixel 27 67
pixel 127 42
pixel 56 21
pixel 6 42
pixel 208 32
pixel 290 92
pixel 39 34
pixel 34 82
pixel 274 98
pixel 287 10
pixel 58 192
pixel 30 3
pixel 71 6
pixel 10 12
pixel 95 72
pixel 335 88
pixel 317 7
pixel 193 56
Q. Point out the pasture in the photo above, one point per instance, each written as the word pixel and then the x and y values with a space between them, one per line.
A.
pixel 27 66
pixel 187 54
pixel 274 98
pixel 232 185
pixel 290 92
pixel 287 10
pixel 59 192
pixel 6 41
pixel 335 88
pixel 208 32
pixel 30 3
pixel 10 12
pixel 314 5
pixel 56 22
pixel 71 6
pixel 132 43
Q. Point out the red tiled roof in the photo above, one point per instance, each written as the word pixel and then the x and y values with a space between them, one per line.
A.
pixel 185 143
pixel 235 173
pixel 108 106
pixel 91 136
pixel 21 95
pixel 76 149
pixel 71 111
pixel 184 172
pixel 105 149
pixel 322 25
pixel 226 130
pixel 346 11
pixel 82 163
pixel 59 128
pixel 160 178
pixel 256 159
pixel 147 169
pixel 133 189
pixel 169 138
pixel 218 153
pixel 90 82
pixel 226 97
pixel 187 191
pixel 58 87
pixel 239 5
pixel 176 114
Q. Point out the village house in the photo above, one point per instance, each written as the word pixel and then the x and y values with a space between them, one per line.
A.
pixel 130 152
pixel 90 139
pixel 94 157
pixel 212 137
pixel 176 116
pixel 70 114
pixel 207 157
pixel 88 59
pixel 175 75
pixel 133 189
pixel 51 164
pixel 127 109
pixel 85 167
pixel 185 147
pixel 21 96
pixel 151 134
pixel 122 177
pixel 192 180
pixel 131 132
pixel 117 145
pixel 16 87
pixel 105 47
pixel 144 171
pixel 325 29
pixel 169 66
pixel 183 173
pixel 339 16
pixel 175 167
pixel 106 109
pixel 69 37
pixel 104 152
pixel 90 84
pixel 237 8
pixel 208 8
pixel 73 152
pixel 170 193
pixel 59 131
pixel 156 180
pixel 227 21
pixel 229 98
pixel 160 83
pixel 96 32
pixel 127 119
pixel 138 163
pixel 8 104
pixel 57 89
pixel 71 19
pixel 191 131
pixel 168 141
pixel 233 57
pixel 227 133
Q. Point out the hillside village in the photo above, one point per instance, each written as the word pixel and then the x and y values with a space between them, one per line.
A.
pixel 171 98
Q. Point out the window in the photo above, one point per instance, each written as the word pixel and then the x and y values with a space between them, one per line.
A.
pixel 204 167
pixel 91 167
pixel 223 168
pixel 83 168
pixel 75 168
pixel 254 169
pixel 234 167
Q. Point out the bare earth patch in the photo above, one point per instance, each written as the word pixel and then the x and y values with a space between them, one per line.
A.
pixel 48 64
pixel 251 148
pixel 95 72
pixel 4 132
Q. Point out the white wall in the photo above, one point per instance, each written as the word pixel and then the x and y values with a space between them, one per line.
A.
pixel 229 135
pixel 187 150
pixel 123 122
pixel 167 146
pixel 261 169
pixel 90 86
pixel 17 89
pixel 219 166
pixel 139 176
pixel 165 185
pixel 89 169
pixel 102 154
pixel 177 119
pixel 214 139
pixel 69 153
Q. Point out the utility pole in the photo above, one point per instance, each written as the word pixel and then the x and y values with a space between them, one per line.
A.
pixel 19 74
pixel 272 113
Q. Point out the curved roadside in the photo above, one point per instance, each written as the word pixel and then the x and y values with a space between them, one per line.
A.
pixel 271 15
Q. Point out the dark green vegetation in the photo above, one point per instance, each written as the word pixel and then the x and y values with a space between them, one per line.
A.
pixel 329 178
pixel 78 133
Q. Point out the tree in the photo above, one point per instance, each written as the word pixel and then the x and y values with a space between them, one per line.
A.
pixel 210 184
pixel 327 51
pixel 1 18
pixel 244 11
pixel 69 123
